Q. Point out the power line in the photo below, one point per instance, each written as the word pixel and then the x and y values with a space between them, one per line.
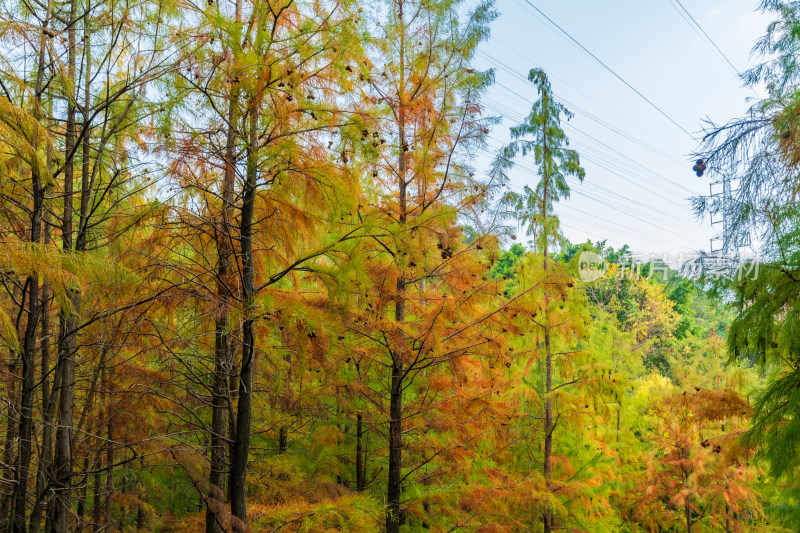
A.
pixel 583 111
pixel 606 239
pixel 609 69
pixel 616 207
pixel 709 41
pixel 610 225
pixel 603 163
pixel 612 195
pixel 641 130
pixel 658 175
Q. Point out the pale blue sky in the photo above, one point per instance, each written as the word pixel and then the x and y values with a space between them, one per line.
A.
pixel 639 178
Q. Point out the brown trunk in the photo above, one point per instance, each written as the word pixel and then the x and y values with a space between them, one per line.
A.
pixel 97 492
pixel 218 418
pixel 25 434
pixel 244 405
pixel 109 519
pixel 360 454
pixel 81 506
pixel 32 296
pixel 233 394
pixel 62 459
pixel 727 519
pixel 25 442
pixel 283 439
pixel 687 510
pixel 12 426
pixel 222 348
pixel 547 512
pixel 230 174
pixel 394 517
pixel 49 395
pixel 142 495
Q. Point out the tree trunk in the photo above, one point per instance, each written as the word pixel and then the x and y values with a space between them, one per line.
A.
pixel 393 517
pixel 25 445
pixel 25 434
pixel 218 418
pixel 547 512
pixel 687 510
pixel 12 426
pixel 97 492
pixel 49 396
pixel 394 489
pixel 12 423
pixel 360 453
pixel 81 506
pixel 233 394
pixel 244 405
pixel 222 348
pixel 283 439
pixel 108 515
pixel 62 460
pixel 727 520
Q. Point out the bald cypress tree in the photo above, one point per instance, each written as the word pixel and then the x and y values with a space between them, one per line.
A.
pixel 540 135
pixel 761 151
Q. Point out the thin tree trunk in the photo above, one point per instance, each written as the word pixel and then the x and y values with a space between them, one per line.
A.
pixel 12 423
pixel 62 460
pixel 109 519
pixel 25 446
pixel 359 453
pixel 142 495
pixel 49 395
pixel 547 513
pixel 727 520
pixel 222 351
pixel 97 493
pixel 218 418
pixel 393 518
pixel 283 439
pixel 394 489
pixel 29 339
pixel 140 518
pixel 233 394
pixel 230 174
pixel 49 391
pixel 687 510
pixel 12 426
pixel 244 405
pixel 80 512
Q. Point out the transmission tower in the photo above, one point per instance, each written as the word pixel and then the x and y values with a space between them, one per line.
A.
pixel 721 202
